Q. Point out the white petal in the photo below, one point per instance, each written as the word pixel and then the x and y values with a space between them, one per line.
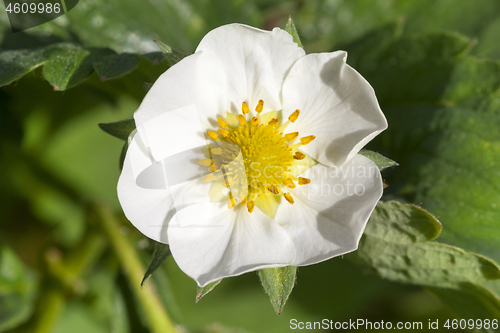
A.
pixel 194 82
pixel 209 242
pixel 145 196
pixel 254 63
pixel 330 214
pixel 337 105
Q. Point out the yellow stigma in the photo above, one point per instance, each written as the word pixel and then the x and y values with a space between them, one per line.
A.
pixel 254 159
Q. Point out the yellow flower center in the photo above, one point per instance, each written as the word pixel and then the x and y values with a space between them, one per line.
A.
pixel 253 157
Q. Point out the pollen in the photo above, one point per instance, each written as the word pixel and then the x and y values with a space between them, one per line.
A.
pixel 307 139
pixel 255 158
pixel 304 181
pixel 222 122
pixel 291 136
pixel 294 116
pixel 244 108
pixel 288 198
pixel 260 106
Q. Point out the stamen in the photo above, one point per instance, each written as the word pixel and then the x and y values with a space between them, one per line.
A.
pixel 307 139
pixel 290 136
pixel 250 206
pixel 214 167
pixel 214 136
pixel 217 151
pixel 224 133
pixel 288 198
pixel 267 157
pixel 294 115
pixel 273 122
pixel 222 122
pixel 208 178
pixel 242 120
pixel 299 156
pixel 244 108
pixel 259 106
pixel 289 183
pixel 274 189
pixel 304 181
pixel 205 162
pixel 231 203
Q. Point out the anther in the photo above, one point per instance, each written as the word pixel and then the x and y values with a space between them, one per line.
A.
pixel 299 156
pixel 288 198
pixel 242 120
pixel 294 116
pixel 290 136
pixel 208 178
pixel 304 181
pixel 255 121
pixel 222 122
pixel 260 106
pixel 213 135
pixel 273 122
pixel 274 189
pixel 223 132
pixel 307 139
pixel 289 183
pixel 244 108
pixel 217 151
pixel 205 162
pixel 250 206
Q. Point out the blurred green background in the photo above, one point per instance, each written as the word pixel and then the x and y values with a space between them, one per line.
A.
pixel 433 65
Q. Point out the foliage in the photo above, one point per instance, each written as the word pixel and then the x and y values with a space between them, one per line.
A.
pixel 65 249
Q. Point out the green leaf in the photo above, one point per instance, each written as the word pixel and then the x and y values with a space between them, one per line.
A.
pixel 16 63
pixel 395 244
pixel 120 129
pixel 173 56
pixel 114 66
pixel 278 284
pixel 160 253
pixel 470 302
pixel 202 291
pixel 290 28
pixel 381 161
pixel 67 66
pixel 17 290
pixel 443 107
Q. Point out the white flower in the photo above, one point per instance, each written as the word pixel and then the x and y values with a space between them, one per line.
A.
pixel 274 198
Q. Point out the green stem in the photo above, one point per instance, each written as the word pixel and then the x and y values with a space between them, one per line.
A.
pixel 54 300
pixel 155 311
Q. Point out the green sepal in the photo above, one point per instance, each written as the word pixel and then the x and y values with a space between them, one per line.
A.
pixel 120 129
pixel 292 30
pixel 160 253
pixel 380 161
pixel 202 291
pixel 172 56
pixel 278 284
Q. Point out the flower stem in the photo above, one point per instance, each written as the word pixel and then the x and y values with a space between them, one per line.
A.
pixel 158 317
